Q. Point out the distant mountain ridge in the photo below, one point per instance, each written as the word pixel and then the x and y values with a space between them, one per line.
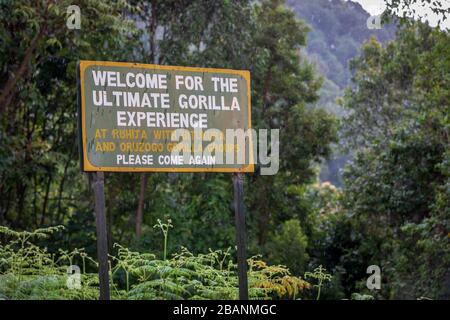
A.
pixel 338 30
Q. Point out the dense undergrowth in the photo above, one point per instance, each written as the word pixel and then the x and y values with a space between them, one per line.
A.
pixel 29 271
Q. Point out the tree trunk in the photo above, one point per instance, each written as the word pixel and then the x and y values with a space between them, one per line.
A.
pixel 153 25
pixel 7 89
pixel 47 193
pixel 266 89
pixel 60 191
pixel 140 209
pixel 112 196
pixel 263 214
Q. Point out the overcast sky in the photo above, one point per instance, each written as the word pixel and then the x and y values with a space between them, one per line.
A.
pixel 375 7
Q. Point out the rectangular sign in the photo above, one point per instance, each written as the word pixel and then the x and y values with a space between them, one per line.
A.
pixel 133 117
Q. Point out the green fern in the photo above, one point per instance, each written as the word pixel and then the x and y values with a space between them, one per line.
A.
pixel 28 271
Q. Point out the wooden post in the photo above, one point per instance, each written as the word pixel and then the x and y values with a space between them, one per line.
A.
pixel 239 215
pixel 98 184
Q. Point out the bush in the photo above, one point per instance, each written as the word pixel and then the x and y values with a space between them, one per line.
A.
pixel 288 246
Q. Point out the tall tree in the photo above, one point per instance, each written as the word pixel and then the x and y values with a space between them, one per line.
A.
pixel 38 59
pixel 285 85
pixel 397 187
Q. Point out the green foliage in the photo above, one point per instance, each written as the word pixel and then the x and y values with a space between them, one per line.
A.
pixel 406 9
pixel 288 246
pixel 321 276
pixel 397 186
pixel 28 271
pixel 38 56
pixel 285 84
pixel 358 296
pixel 164 227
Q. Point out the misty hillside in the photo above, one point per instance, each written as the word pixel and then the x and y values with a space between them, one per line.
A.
pixel 338 28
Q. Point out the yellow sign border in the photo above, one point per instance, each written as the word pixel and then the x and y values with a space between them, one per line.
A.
pixel 87 166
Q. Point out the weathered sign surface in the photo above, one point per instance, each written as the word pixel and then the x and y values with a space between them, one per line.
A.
pixel 128 113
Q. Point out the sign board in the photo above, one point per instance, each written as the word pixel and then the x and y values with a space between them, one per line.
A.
pixel 129 112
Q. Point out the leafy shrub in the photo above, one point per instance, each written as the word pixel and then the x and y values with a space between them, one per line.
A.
pixel 289 246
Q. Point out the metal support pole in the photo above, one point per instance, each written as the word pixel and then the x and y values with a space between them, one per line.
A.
pixel 98 185
pixel 238 184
